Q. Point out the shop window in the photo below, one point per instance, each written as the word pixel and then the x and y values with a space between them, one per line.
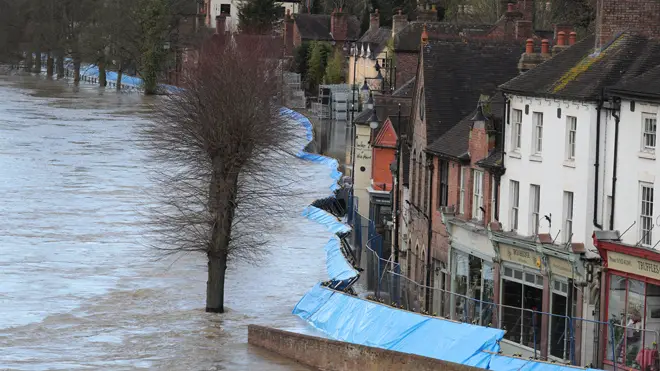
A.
pixel 521 304
pixel 626 310
pixel 473 289
pixel 560 334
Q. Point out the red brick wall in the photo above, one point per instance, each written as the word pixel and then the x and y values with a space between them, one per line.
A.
pixel 339 26
pixel 642 16
pixel 288 35
pixel 380 170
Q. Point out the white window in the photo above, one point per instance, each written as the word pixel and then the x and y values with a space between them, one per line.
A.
pixel 568 217
pixel 537 141
pixel 493 199
pixel 534 207
pixel 648 132
pixel 477 194
pixel 515 203
pixel 571 134
pixel 461 200
pixel 516 119
pixel 646 214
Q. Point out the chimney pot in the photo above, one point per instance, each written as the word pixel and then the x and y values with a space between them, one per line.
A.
pixel 509 7
pixel 572 37
pixel 529 48
pixel 545 46
pixel 425 36
pixel 399 11
pixel 561 38
pixel 433 8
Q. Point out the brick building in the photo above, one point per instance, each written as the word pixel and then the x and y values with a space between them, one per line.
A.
pixel 337 28
pixel 452 76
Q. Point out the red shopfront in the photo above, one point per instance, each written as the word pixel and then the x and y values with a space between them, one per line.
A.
pixel 630 304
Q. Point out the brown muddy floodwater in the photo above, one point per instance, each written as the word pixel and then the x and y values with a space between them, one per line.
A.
pixel 80 289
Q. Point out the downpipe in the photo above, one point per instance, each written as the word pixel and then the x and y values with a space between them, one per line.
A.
pixel 429 218
pixel 616 113
pixel 599 109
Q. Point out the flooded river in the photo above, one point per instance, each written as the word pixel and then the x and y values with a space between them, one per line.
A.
pixel 80 289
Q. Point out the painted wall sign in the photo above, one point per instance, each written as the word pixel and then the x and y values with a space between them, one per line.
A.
pixel 520 256
pixel 633 264
pixel 560 267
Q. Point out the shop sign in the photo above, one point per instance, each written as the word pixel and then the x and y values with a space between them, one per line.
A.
pixel 560 267
pixel 633 264
pixel 520 256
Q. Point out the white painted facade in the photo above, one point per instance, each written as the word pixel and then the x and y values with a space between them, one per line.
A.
pixel 552 168
pixel 362 179
pixel 637 166
pixel 232 20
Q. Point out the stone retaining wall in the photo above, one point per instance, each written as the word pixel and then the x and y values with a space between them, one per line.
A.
pixel 330 355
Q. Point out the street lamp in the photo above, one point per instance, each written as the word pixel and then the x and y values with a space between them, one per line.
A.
pixel 370 102
pixel 377 66
pixel 373 120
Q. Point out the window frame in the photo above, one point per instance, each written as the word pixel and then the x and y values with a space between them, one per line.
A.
pixel 443 183
pixel 568 199
pixel 535 208
pixel 514 201
pixel 516 133
pixel 571 137
pixel 477 194
pixel 227 5
pixel 654 135
pixel 645 235
pixel 493 198
pixel 537 133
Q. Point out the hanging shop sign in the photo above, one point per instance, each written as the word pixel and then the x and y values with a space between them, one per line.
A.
pixel 633 264
pixel 521 256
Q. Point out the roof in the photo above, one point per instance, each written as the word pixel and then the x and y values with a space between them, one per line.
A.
pixel 394 119
pixel 376 38
pixel 457 74
pixel 578 73
pixel 382 112
pixel 646 85
pixel 409 38
pixel 406 90
pixel 455 142
pixel 317 26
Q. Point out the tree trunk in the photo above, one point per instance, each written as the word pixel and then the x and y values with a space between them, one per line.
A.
pixel 215 286
pixel 49 65
pixel 119 75
pixel 102 78
pixel 37 63
pixel 60 64
pixel 76 71
pixel 28 62
pixel 222 201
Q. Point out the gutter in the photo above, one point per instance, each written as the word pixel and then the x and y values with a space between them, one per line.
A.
pixel 599 108
pixel 430 238
pixel 617 117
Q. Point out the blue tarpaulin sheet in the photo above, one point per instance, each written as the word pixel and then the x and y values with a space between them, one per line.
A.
pixel 347 318
pixel 504 363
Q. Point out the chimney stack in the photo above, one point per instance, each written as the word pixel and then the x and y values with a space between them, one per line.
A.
pixel 523 29
pixel 530 59
pixel 424 14
pixel 374 20
pixel 220 24
pixel 339 25
pixel 572 37
pixel 399 22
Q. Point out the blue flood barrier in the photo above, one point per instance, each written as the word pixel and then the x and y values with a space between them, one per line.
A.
pixel 348 318
pixel 340 271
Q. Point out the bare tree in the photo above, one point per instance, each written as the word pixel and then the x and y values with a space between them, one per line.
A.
pixel 221 139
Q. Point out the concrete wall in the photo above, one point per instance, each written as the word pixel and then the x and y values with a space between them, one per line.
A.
pixel 339 356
